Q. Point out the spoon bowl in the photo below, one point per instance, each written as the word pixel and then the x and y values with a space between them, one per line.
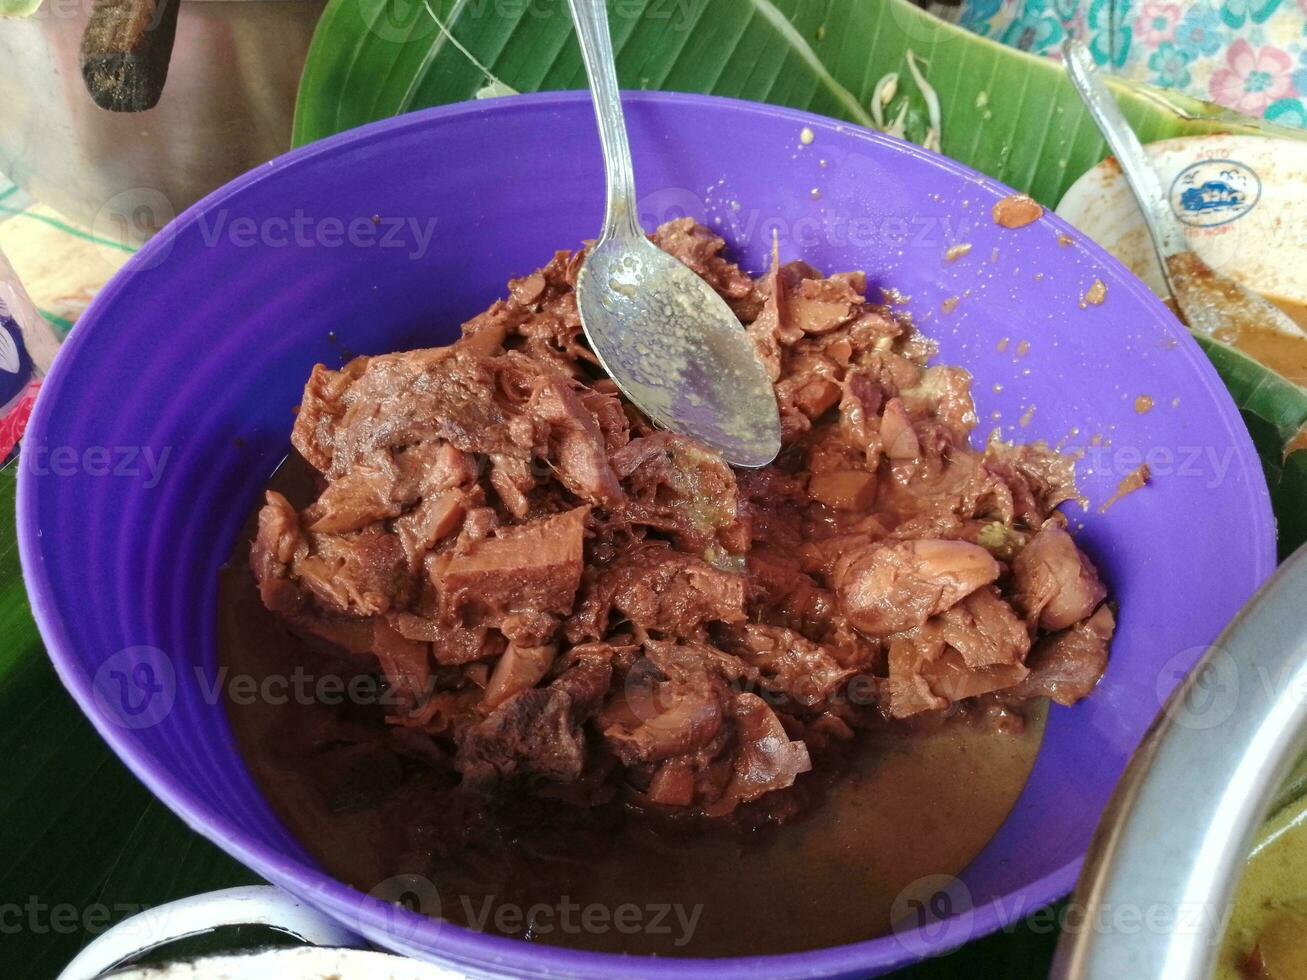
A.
pixel 698 375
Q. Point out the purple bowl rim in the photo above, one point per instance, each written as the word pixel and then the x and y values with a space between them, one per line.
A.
pixel 467 947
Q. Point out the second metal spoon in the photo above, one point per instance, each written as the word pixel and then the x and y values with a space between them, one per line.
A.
pixel 1210 302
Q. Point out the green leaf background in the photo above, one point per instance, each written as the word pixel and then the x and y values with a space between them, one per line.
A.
pixel 1006 113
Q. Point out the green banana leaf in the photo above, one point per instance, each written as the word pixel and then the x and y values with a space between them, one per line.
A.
pixel 1006 113
pixel 1275 411
pixel 18 8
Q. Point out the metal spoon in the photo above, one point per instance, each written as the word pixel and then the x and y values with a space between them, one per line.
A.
pixel 670 342
pixel 1211 303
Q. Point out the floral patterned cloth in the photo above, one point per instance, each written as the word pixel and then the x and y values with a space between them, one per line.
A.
pixel 1249 55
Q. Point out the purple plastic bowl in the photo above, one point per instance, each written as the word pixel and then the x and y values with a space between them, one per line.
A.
pixel 200 347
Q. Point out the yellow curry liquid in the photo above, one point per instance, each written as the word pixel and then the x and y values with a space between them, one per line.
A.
pixel 1268 926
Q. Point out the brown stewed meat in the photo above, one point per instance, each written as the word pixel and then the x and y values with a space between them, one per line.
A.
pixel 566 600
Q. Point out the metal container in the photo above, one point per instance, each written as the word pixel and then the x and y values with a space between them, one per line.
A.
pixel 227 107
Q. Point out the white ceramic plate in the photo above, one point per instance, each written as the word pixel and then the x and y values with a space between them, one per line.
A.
pixel 1242 200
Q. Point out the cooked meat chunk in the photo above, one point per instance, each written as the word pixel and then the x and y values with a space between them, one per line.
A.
pixel 766 759
pixel 432 520
pixel 985 631
pixel 561 597
pixel 927 674
pixel 532 733
pixel 277 544
pixel 822 305
pixel 673 703
pixel 790 664
pixel 1055 582
pixel 450 645
pixel 852 490
pixel 889 588
pixel 405 662
pixel 691 718
pixel 676 486
pixel 536 731
pixel 321 410
pixel 517 670
pixel 580 451
pixel 701 250
pixel 361 573
pixel 662 590
pixel 1066 666
pixel 534 566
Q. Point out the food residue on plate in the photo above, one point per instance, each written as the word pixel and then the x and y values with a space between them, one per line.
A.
pixel 1135 480
pixel 806 136
pixel 1094 295
pixel 1064 239
pixel 949 304
pixel 1002 344
pixel 1023 348
pixel 1143 403
pixel 957 251
pixel 1017 211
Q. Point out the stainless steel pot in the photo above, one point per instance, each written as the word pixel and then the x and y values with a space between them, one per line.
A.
pixel 227 107
pixel 1175 835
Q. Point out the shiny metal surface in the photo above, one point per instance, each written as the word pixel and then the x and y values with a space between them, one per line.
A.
pixel 664 335
pixel 227 107
pixel 1210 301
pixel 1171 845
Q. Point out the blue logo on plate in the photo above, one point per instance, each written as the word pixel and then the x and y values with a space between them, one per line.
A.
pixel 1214 192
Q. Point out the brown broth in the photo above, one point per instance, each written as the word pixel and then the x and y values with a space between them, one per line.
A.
pixel 1281 352
pixel 909 805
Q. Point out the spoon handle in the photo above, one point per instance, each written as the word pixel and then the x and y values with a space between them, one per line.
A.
pixel 1163 226
pixel 591 20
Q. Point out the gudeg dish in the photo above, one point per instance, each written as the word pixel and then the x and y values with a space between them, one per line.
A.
pixel 572 609
pixel 245 323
